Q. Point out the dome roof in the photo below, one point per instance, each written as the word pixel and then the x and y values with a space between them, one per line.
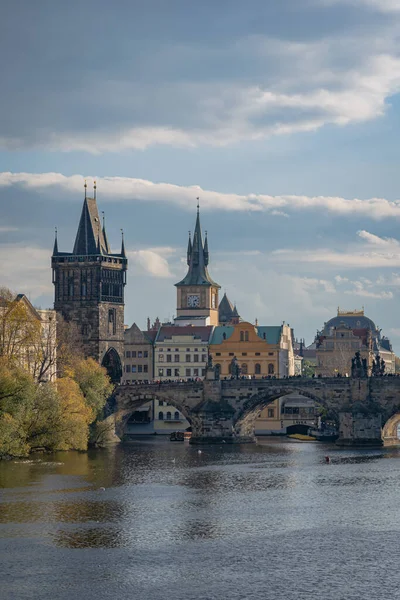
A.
pixel 353 321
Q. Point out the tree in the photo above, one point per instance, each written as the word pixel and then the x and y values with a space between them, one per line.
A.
pixel 20 328
pixel 75 416
pixel 308 368
pixel 93 382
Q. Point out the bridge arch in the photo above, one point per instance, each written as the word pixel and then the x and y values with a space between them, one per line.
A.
pixel 244 420
pixel 112 363
pixel 130 398
pixel 390 431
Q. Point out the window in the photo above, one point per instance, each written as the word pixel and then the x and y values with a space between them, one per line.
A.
pixel 145 368
pixel 187 373
pixel 176 415
pixel 231 354
pixel 140 354
pixel 204 358
pixel 83 289
pixel 140 369
pixel 187 349
pixel 271 413
pixel 195 372
pixel 133 353
pixel 188 357
pixel 246 336
pixel 85 329
pixel 244 353
pixel 168 349
pixel 127 368
pixel 161 357
pixel 264 336
pixel 196 349
pixel 270 353
pixel 218 354
pixel 242 336
pixel 203 372
pixel 196 358
pixel 128 354
pixel 257 369
pixel 169 372
pixel 161 416
pixel 176 349
pixel 176 358
pixel 161 403
pixel 112 321
pixel 168 416
pixel 244 369
pixel 169 358
pixel 224 336
pixel 161 372
pixel 133 368
pixel 271 369
pixel 258 354
pixel 145 354
pixel 176 373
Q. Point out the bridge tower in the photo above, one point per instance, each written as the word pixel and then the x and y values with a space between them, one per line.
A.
pixel 197 293
pixel 89 290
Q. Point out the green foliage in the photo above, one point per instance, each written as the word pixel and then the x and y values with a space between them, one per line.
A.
pixel 93 382
pixel 50 416
pixel 308 368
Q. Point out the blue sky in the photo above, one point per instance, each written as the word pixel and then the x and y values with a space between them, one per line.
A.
pixel 282 116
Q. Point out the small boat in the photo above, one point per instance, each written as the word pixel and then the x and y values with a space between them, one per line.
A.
pixel 302 438
pixel 177 436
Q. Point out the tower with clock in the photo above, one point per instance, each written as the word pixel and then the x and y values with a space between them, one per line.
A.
pixel 197 293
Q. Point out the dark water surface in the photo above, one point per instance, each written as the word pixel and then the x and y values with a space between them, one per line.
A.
pixel 155 519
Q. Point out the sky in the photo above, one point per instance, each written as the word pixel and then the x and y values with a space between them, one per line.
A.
pixel 282 117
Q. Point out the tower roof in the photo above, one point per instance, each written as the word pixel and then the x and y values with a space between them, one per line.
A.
pixel 90 236
pixel 197 259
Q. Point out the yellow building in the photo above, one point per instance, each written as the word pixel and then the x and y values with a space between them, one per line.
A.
pixel 286 414
pixel 259 351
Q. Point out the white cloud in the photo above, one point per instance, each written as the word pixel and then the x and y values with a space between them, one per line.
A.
pixel 25 269
pixel 132 190
pixel 150 262
pixel 385 6
pixel 375 240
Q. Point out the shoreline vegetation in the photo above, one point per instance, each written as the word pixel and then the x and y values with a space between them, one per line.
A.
pixel 62 411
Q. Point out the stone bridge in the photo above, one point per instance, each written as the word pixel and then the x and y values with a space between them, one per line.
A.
pixel 225 410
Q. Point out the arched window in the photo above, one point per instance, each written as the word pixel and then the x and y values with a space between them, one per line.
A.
pixel 176 416
pixel 271 369
pixel 257 369
pixel 244 369
pixel 168 416
pixel 242 336
pixel 246 336
pixel 161 416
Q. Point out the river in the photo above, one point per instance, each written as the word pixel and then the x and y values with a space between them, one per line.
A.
pixel 154 519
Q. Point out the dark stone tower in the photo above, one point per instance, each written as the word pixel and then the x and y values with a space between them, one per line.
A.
pixel 89 290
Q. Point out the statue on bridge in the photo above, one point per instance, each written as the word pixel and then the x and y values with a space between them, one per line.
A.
pixel 378 366
pixel 359 366
pixel 235 368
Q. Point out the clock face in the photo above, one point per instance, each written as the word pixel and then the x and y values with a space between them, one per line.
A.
pixel 193 300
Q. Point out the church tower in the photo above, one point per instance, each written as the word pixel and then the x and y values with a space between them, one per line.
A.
pixel 89 290
pixel 197 293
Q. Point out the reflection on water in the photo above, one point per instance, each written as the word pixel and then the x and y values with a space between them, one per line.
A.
pixel 153 519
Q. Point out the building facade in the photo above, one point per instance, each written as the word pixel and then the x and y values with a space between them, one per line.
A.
pixel 89 290
pixel 344 335
pixel 180 352
pixel 286 415
pixel 260 351
pixel 197 293
pixel 138 355
pixel 227 312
